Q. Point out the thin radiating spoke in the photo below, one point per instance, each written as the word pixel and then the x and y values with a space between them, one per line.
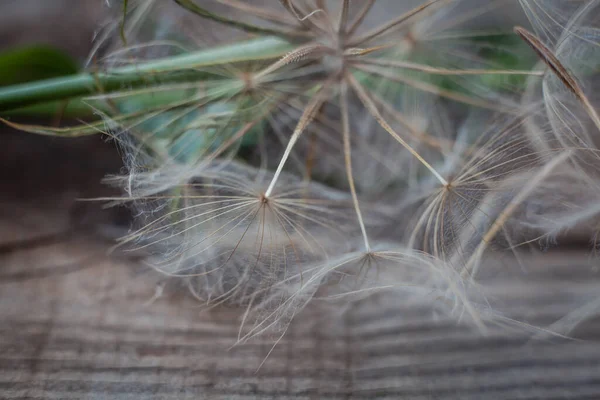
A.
pixel 348 161
pixel 302 16
pixel 560 71
pixel 360 17
pixel 444 71
pixel 392 24
pixel 435 90
pixel 471 266
pixel 305 119
pixel 341 26
pixel 370 105
pixel 260 12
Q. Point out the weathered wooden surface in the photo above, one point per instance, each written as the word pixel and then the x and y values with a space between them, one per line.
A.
pixel 79 324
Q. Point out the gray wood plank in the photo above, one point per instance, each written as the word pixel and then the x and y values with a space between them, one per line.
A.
pixel 78 323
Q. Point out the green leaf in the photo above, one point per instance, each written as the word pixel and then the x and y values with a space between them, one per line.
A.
pixel 34 63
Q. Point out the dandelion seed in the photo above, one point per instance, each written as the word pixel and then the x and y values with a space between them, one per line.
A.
pixel 261 178
pixel 219 225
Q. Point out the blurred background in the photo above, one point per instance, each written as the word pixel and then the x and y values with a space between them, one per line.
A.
pixel 81 322
pixel 42 177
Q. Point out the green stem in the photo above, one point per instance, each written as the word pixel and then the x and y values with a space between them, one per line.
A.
pixel 127 77
pixel 77 107
pixel 122 29
pixel 69 108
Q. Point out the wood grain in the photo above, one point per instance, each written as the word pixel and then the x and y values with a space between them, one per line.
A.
pixel 80 324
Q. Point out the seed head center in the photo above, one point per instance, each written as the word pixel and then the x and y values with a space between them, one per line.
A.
pixel 334 59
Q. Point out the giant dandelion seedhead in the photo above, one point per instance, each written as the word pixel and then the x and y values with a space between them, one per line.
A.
pixel 316 153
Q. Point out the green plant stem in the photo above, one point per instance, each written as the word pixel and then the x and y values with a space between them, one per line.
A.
pixel 69 108
pixel 122 28
pixel 143 74
pixel 78 107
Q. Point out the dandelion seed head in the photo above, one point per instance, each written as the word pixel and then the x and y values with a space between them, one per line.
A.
pixel 359 160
